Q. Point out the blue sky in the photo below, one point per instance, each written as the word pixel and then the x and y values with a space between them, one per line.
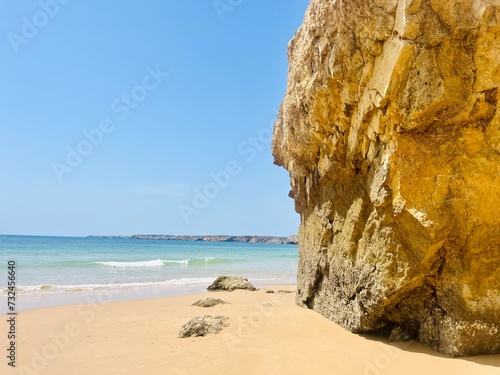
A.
pixel 125 117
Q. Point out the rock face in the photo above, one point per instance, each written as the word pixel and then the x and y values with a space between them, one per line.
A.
pixel 230 283
pixel 390 131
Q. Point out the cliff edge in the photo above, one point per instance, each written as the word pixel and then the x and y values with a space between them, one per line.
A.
pixel 391 135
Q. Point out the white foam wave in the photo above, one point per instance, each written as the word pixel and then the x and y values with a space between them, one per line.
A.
pixel 147 263
pixel 49 288
pixel 168 262
pixel 184 261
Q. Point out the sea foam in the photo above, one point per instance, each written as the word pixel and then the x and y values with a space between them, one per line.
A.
pixel 147 263
pixel 170 262
pixel 37 289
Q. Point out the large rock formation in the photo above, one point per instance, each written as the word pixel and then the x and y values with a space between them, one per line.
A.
pixel 391 134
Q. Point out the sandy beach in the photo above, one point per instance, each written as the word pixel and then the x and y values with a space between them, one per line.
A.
pixel 267 334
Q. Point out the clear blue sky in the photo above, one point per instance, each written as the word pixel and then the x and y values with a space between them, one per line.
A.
pixel 125 117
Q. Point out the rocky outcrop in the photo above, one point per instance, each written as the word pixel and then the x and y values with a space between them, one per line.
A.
pixel 290 240
pixel 230 283
pixel 390 131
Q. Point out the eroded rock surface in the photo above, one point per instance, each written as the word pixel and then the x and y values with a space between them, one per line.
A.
pixel 391 135
pixel 203 325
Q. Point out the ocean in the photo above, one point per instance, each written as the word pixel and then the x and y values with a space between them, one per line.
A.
pixel 58 270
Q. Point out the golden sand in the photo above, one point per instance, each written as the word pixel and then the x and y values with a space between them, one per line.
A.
pixel 267 334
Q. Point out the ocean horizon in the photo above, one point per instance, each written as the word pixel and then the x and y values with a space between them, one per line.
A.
pixel 53 270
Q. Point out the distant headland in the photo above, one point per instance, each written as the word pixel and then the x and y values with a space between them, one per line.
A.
pixel 291 240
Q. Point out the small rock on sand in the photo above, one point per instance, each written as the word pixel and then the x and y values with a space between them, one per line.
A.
pixel 203 325
pixel 231 283
pixel 281 291
pixel 209 302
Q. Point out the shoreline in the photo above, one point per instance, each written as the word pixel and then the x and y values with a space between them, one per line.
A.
pixel 290 240
pixel 267 333
pixel 37 300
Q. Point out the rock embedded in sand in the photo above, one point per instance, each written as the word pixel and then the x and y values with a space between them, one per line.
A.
pixel 209 302
pixel 281 291
pixel 203 325
pixel 230 283
pixel 390 131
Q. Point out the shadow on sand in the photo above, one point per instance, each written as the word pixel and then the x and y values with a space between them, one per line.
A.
pixel 416 347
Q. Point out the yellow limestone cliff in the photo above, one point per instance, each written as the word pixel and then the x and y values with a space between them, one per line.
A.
pixel 390 131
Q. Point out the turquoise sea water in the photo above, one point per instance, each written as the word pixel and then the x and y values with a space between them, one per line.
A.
pixel 51 265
